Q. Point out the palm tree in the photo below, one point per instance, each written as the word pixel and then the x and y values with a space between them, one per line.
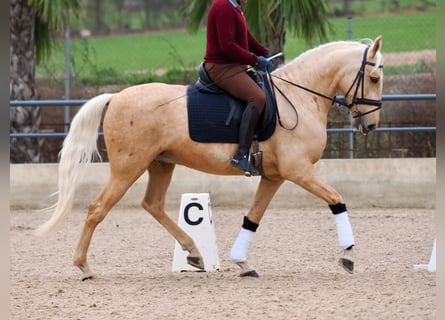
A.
pixel 34 27
pixel 269 20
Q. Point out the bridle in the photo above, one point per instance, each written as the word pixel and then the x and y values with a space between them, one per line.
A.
pixel 358 85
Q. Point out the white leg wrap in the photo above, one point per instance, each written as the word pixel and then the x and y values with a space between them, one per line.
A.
pixel 241 245
pixel 344 230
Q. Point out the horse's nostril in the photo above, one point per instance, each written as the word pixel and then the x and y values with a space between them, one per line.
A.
pixel 371 127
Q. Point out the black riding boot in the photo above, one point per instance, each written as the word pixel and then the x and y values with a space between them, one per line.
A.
pixel 248 124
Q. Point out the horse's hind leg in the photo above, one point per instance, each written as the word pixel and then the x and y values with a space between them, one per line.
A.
pixel 97 210
pixel 160 175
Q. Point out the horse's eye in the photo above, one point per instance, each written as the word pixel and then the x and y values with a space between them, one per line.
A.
pixel 374 79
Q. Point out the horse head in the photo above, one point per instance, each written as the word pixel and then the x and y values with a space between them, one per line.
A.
pixel 364 95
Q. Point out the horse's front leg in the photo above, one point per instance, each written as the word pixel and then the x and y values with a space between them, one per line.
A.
pixel 313 183
pixel 265 192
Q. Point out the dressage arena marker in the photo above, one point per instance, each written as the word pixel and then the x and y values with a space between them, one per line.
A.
pixel 195 218
pixel 431 266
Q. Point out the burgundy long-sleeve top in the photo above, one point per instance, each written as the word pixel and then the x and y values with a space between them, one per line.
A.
pixel 228 37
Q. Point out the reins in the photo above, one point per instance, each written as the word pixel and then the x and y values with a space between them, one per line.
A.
pixel 358 83
pixel 209 85
pixel 274 86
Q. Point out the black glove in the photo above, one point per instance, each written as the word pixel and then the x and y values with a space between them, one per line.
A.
pixel 263 64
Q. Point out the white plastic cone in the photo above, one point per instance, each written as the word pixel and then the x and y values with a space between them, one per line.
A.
pixel 195 218
pixel 431 266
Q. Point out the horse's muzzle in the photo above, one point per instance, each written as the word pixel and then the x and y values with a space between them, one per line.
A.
pixel 363 126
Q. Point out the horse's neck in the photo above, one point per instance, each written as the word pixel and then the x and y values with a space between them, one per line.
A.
pixel 316 69
pixel 319 70
pixel 301 74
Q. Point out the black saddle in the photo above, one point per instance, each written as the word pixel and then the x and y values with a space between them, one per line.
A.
pixel 215 116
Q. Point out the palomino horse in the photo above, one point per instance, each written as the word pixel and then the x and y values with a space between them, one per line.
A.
pixel 146 129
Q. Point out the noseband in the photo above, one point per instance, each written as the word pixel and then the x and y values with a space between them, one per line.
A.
pixel 357 84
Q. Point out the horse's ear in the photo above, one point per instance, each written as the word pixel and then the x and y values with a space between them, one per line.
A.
pixel 376 46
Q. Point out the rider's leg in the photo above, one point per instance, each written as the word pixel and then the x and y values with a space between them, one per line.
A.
pixel 234 80
pixel 247 128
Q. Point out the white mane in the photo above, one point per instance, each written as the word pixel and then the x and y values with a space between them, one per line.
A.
pixel 366 42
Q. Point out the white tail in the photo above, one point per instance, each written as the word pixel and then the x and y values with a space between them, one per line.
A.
pixel 79 146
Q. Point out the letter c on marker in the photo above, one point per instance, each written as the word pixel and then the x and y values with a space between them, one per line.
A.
pixel 186 214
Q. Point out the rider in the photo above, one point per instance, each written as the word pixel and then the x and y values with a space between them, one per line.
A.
pixel 230 49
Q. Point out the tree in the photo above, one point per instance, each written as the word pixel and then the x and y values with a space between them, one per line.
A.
pixel 98 10
pixel 346 7
pixel 269 20
pixel 34 27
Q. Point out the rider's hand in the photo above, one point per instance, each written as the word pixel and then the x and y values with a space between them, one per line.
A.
pixel 263 64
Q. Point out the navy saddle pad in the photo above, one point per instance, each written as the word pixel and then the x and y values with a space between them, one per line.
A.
pixel 216 117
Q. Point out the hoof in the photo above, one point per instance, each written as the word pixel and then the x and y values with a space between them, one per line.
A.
pixel 195 262
pixel 347 264
pixel 87 277
pixel 246 270
pixel 251 273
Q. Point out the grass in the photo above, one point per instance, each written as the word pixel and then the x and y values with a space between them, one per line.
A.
pixel 382 5
pixel 135 58
pixel 408 32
